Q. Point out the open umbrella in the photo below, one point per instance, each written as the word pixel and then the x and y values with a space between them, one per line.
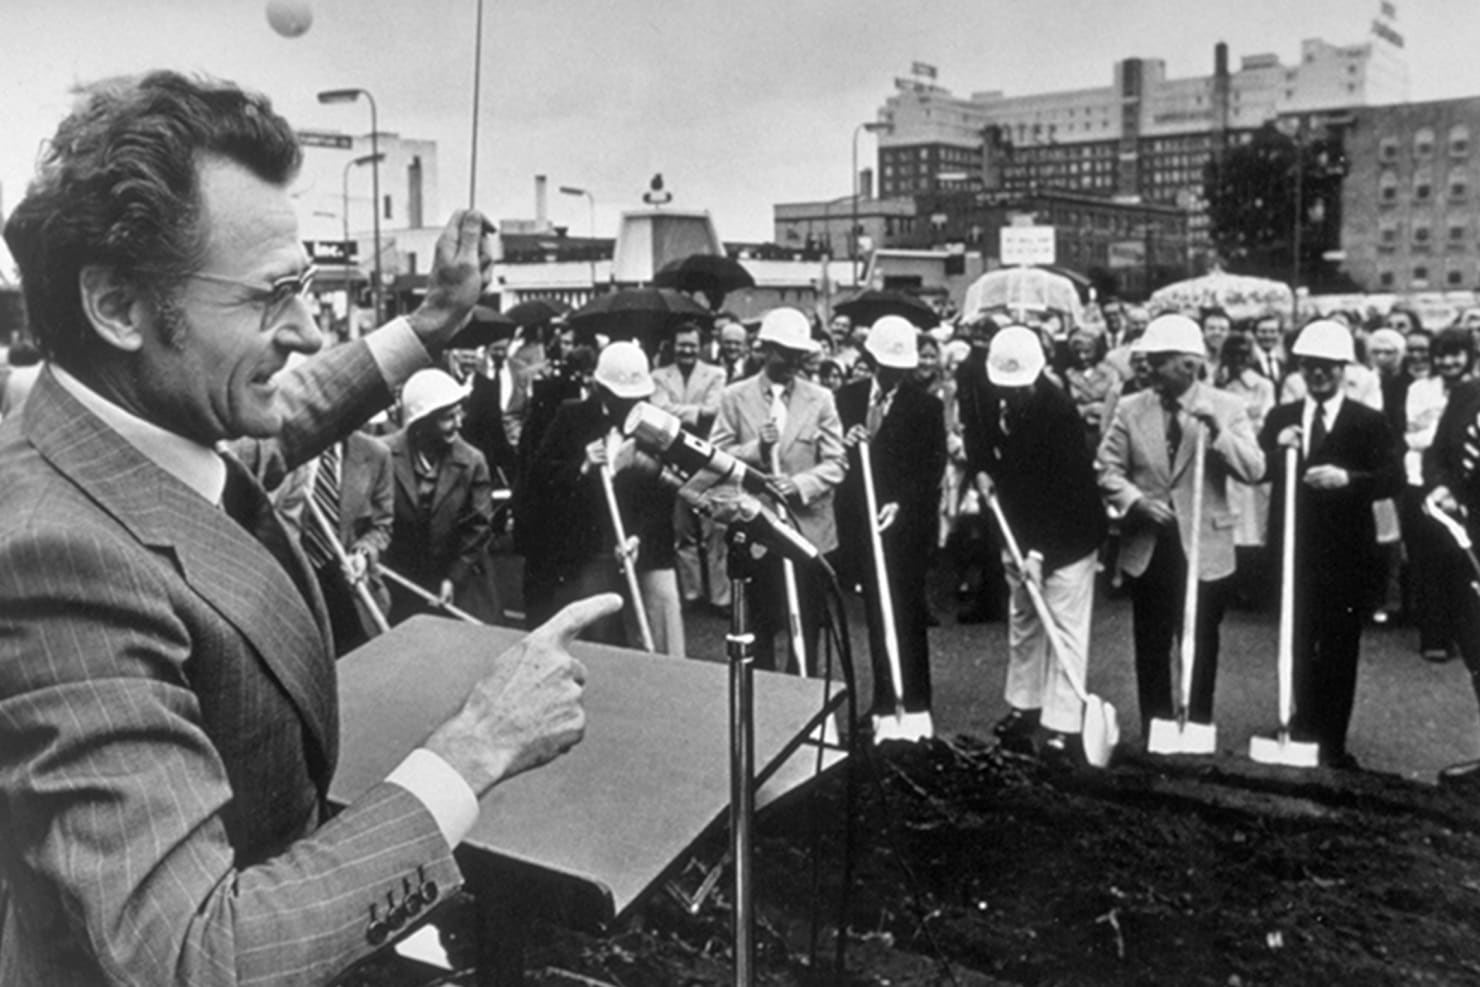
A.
pixel 1242 296
pixel 537 311
pixel 1019 289
pixel 713 275
pixel 644 314
pixel 487 325
pixel 867 307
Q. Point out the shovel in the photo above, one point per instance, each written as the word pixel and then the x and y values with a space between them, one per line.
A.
pixel 1180 736
pixel 896 730
pixel 1280 749
pixel 1461 540
pixel 1100 731
pixel 629 565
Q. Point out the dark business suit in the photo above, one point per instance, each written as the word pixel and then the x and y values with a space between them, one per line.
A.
pixel 367 503
pixel 168 718
pixel 1445 464
pixel 1334 530
pixel 446 539
pixel 909 455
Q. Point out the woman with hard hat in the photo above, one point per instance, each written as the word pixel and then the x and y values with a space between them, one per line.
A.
pixel 444 506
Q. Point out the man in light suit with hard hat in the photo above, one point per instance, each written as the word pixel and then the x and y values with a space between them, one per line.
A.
pixel 776 418
pixel 1146 472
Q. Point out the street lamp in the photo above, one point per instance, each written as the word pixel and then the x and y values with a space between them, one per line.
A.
pixel 590 200
pixel 349 96
pixel 590 247
pixel 873 127
pixel 363 159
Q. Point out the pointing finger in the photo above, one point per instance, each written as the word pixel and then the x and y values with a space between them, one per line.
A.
pixel 566 626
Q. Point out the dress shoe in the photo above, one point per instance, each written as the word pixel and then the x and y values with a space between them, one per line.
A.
pixel 917 726
pixel 1062 751
pixel 1340 761
pixel 1465 774
pixel 1017 723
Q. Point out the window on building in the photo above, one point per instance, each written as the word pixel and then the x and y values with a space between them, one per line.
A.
pixel 1387 187
pixel 1385 278
pixel 1420 275
pixel 1459 183
pixel 1420 233
pixel 1387 149
pixel 1457 232
pixel 1423 143
pixel 1459 141
pixel 1454 278
pixel 1423 185
pixel 1387 235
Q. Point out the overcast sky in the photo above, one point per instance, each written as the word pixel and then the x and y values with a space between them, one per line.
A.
pixel 739 103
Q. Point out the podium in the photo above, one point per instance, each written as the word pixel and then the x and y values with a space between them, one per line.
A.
pixel 586 837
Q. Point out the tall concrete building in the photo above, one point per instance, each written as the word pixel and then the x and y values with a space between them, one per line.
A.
pixel 1144 135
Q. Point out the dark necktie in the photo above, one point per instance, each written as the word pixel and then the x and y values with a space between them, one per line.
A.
pixel 246 503
pixel 1317 430
pixel 1174 427
pixel 326 497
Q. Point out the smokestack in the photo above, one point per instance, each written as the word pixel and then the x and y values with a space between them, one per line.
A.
pixel 541 202
pixel 866 183
pixel 1222 96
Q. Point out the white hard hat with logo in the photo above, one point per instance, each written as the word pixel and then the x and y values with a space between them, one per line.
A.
pixel 622 368
pixel 428 392
pixel 1015 357
pixel 1171 334
pixel 1325 339
pixel 788 328
pixel 892 342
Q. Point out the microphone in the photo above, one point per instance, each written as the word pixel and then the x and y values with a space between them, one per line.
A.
pixel 731 506
pixel 660 433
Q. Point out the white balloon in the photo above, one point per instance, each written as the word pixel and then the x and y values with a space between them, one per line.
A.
pixel 290 18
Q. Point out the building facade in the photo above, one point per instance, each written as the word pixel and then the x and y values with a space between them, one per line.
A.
pixel 1411 198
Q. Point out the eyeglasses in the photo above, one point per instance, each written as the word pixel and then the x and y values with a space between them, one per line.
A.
pixel 275 296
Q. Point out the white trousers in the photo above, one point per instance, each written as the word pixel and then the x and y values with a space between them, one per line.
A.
pixel 1034 679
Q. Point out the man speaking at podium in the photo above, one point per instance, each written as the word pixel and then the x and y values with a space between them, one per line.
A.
pixel 168 707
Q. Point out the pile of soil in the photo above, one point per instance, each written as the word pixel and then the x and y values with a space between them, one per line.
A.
pixel 973 866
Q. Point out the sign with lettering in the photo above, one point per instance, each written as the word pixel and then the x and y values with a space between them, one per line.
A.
pixel 325 138
pixel 1027 245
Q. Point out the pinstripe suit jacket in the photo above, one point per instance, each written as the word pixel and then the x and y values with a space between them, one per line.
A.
pixel 168 722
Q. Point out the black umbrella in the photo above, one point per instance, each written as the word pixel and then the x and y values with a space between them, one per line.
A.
pixel 714 275
pixel 487 325
pixel 868 307
pixel 644 314
pixel 536 312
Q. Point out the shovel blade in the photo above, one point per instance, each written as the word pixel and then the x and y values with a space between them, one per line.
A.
pixel 1172 737
pixel 1101 731
pixel 1283 750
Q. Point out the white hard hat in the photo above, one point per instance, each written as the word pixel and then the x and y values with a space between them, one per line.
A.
pixel 1325 339
pixel 892 342
pixel 622 368
pixel 1171 334
pixel 789 328
pixel 428 392
pixel 1015 357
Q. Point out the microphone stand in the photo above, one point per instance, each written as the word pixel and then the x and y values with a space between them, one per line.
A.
pixel 740 649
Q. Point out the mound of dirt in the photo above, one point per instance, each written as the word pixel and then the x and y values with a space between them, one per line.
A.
pixel 973 866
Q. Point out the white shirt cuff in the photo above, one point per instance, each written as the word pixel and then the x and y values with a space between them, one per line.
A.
pixel 397 351
pixel 444 792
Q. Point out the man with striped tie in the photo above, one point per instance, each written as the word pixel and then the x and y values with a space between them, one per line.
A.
pixel 1452 471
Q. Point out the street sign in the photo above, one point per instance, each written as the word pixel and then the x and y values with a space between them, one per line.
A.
pixel 326 138
pixel 331 251
pixel 1027 245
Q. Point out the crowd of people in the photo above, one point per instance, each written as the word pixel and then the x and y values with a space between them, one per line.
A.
pixel 203 503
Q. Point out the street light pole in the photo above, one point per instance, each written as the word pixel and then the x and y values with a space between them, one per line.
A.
pixel 363 159
pixel 873 127
pixel 591 202
pixel 349 96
